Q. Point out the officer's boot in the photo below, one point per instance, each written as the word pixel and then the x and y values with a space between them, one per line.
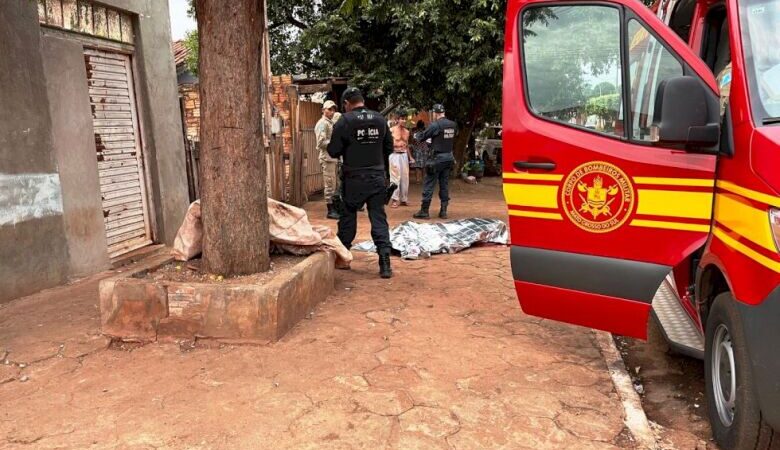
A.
pixel 443 210
pixel 332 213
pixel 423 212
pixel 385 270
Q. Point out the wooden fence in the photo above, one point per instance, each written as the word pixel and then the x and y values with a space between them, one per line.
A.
pixel 306 176
pixel 276 179
pixel 314 181
pixel 290 178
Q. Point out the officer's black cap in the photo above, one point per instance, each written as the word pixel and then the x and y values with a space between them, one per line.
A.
pixel 352 94
pixel 438 108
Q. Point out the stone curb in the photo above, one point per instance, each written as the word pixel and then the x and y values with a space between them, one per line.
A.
pixel 635 417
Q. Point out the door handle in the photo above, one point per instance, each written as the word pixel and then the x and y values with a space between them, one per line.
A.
pixel 525 165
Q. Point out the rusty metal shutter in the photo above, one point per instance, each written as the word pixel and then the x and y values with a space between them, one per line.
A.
pixel 118 146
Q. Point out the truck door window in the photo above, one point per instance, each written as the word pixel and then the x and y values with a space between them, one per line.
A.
pixel 573 67
pixel 682 17
pixel 715 45
pixel 760 20
pixel 650 63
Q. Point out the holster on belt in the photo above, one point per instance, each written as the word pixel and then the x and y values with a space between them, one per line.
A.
pixel 347 170
pixel 338 203
pixel 338 196
pixel 390 191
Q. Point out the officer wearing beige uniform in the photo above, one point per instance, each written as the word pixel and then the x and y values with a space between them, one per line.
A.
pixel 323 131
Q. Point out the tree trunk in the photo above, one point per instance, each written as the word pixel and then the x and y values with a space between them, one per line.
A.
pixel 462 140
pixel 233 189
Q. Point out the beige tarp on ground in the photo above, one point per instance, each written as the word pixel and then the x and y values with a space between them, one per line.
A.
pixel 289 228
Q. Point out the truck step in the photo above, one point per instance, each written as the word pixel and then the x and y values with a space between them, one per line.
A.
pixel 677 327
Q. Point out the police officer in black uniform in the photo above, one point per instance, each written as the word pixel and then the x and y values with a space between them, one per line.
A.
pixel 362 138
pixel 442 133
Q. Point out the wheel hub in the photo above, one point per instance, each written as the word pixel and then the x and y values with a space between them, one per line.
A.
pixel 724 380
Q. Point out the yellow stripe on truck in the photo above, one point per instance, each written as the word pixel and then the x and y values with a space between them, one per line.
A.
pixel 670 225
pixel 747 193
pixel 689 205
pixel 533 195
pixel 696 182
pixel 533 176
pixel 745 220
pixel 747 251
pixel 535 214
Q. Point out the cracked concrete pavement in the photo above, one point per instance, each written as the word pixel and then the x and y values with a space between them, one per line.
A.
pixel 438 357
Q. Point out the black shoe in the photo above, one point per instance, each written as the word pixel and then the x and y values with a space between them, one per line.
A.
pixel 443 210
pixel 423 212
pixel 332 214
pixel 385 270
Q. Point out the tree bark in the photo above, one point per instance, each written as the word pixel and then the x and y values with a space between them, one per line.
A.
pixel 233 190
pixel 462 140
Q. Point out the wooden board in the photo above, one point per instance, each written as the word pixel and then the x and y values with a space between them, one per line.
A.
pixel 87 17
pixel 117 146
pixel 310 114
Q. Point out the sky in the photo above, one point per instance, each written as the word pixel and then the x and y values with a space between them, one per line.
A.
pixel 180 22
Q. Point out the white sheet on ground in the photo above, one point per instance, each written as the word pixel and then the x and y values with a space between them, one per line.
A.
pixel 421 240
pixel 289 227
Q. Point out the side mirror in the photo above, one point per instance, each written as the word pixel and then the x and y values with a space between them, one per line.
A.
pixel 684 115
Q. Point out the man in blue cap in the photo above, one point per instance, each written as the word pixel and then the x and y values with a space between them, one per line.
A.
pixel 441 132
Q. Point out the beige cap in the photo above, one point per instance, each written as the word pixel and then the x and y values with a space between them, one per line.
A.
pixel 329 104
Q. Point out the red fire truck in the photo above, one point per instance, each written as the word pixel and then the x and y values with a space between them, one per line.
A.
pixel 642 177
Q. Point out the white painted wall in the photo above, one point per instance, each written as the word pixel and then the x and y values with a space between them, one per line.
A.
pixel 29 196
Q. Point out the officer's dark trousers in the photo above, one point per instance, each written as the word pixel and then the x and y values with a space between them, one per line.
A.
pixel 438 172
pixel 369 189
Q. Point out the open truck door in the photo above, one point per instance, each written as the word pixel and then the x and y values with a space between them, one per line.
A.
pixel 608 174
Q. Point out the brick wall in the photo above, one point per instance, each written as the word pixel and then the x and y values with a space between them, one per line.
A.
pixel 191 98
pixel 282 105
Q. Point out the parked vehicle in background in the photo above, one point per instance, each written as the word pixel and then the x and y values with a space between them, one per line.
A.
pixel 489 146
pixel 668 203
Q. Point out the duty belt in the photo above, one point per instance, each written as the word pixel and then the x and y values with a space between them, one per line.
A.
pixel 361 170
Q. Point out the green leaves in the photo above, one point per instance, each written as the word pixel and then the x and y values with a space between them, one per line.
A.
pixel 417 51
pixel 191 43
pixel 348 7
pixel 604 106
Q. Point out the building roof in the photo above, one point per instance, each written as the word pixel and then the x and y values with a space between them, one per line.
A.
pixel 306 80
pixel 180 52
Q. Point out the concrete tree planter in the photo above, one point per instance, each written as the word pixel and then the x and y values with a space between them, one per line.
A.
pixel 134 308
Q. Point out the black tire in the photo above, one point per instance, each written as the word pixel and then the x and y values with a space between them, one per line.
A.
pixel 747 430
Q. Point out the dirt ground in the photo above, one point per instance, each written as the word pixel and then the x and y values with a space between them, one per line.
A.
pixel 438 357
pixel 673 390
pixel 192 272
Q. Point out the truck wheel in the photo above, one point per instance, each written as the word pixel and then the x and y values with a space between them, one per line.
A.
pixel 732 406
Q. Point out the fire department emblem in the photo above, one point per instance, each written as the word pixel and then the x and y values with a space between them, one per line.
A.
pixel 598 197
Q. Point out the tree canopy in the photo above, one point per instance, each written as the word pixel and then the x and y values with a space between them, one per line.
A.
pixel 287 21
pixel 433 48
pixel 416 53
